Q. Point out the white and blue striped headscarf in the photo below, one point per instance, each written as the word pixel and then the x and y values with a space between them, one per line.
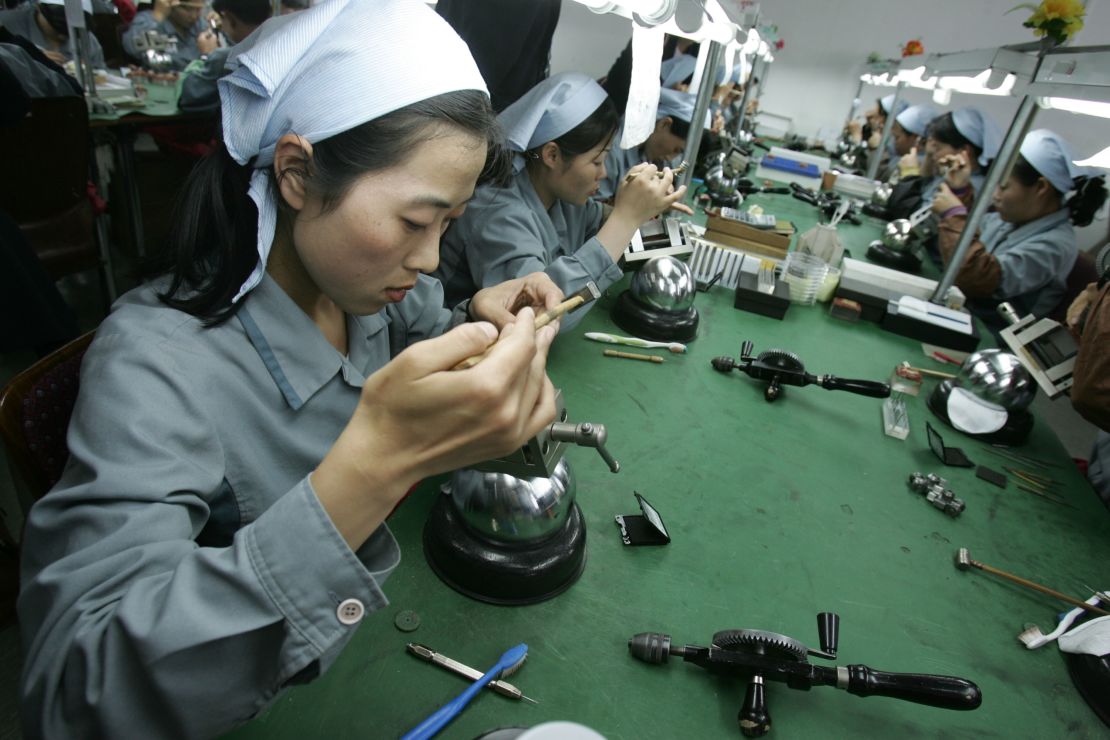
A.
pixel 326 70
pixel 549 110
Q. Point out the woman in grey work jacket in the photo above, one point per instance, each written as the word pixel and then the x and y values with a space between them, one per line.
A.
pixel 245 425
pixel 544 219
pixel 1026 247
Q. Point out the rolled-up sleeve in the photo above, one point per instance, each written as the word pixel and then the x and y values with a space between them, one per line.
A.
pixel 130 628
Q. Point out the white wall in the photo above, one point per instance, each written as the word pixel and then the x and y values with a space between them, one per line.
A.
pixel 813 78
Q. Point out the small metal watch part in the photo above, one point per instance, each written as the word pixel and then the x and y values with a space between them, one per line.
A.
pixel 407 621
pixel 936 492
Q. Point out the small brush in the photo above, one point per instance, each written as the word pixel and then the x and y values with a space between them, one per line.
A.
pixel 509 661
pixel 599 336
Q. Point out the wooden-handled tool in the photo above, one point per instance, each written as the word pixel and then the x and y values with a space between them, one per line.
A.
pixel 632 356
pixel 586 295
pixel 676 172
pixel 964 562
pixel 927 371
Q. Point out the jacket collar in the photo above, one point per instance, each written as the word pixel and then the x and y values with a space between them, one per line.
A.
pixel 297 355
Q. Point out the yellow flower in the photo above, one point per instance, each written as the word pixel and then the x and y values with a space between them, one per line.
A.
pixel 1062 9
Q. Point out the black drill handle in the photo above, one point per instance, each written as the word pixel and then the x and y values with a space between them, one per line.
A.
pixel 862 387
pixel 944 692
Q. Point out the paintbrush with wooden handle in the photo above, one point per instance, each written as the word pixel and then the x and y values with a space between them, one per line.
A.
pixel 579 299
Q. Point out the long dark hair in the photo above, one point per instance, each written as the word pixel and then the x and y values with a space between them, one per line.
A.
pixel 1090 192
pixel 943 129
pixel 598 127
pixel 213 240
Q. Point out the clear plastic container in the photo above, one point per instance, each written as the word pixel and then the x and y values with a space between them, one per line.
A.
pixel 803 275
pixel 828 285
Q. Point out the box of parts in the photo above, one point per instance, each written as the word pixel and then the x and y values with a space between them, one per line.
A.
pixel 771 242
pixel 717 237
pixel 778 237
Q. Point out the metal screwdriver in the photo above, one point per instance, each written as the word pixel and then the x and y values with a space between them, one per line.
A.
pixel 501 687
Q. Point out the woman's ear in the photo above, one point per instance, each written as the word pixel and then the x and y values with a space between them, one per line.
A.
pixel 664 124
pixel 971 157
pixel 292 159
pixel 550 154
pixel 1044 189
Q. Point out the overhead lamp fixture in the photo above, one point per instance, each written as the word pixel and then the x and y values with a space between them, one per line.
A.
pixel 644 12
pixel 1075 79
pixel 985 83
pixel 1102 159
pixel 1072 105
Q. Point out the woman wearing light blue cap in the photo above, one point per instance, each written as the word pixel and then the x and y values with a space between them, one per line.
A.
pixel 663 147
pixel 245 425
pixel 907 133
pixel 1026 246
pixel 964 136
pixel 871 133
pixel 43 23
pixel 561 131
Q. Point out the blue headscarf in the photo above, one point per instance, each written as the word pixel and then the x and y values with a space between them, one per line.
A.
pixel 1052 156
pixel 978 128
pixel 915 119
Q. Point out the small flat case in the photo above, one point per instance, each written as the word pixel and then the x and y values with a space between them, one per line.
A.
pixel 642 529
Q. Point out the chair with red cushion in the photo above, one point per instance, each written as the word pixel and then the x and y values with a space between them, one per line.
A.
pixel 35 407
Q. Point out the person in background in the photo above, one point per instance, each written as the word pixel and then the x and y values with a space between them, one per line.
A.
pixel 545 219
pixel 908 135
pixel 966 132
pixel 663 147
pixel 730 104
pixel 28 73
pixel 1088 318
pixel 510 41
pixel 618 80
pixel 871 133
pixel 292 6
pixel 1026 247
pixel 125 9
pixel 175 19
pixel 238 19
pixel 43 23
pixel 246 423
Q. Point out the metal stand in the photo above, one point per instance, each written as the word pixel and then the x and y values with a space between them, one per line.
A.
pixel 873 163
pixel 701 105
pixel 741 119
pixel 1001 164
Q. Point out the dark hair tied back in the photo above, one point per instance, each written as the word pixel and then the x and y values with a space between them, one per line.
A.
pixel 597 128
pixel 1090 194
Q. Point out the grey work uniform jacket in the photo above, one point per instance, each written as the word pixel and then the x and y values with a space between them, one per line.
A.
pixel 506 233
pixel 183 572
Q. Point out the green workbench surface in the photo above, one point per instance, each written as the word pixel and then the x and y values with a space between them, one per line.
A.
pixel 777 512
pixel 160 101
